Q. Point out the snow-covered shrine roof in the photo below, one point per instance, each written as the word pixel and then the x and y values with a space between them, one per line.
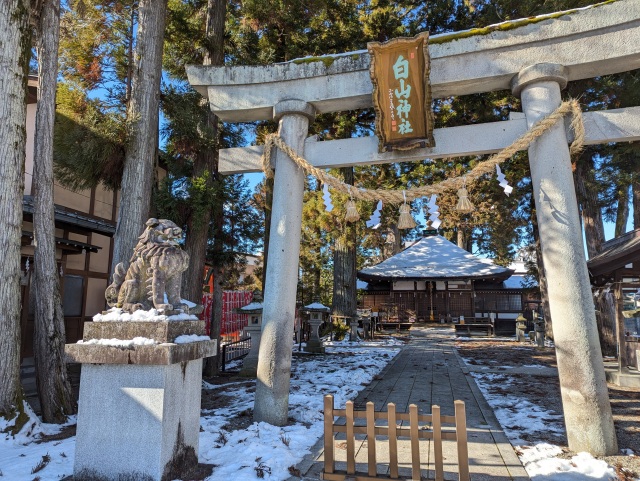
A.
pixel 434 258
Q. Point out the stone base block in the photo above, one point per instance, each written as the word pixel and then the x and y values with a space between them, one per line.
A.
pixel 623 379
pixel 141 421
pixel 250 362
pixel 315 347
pixel 249 367
pixel 160 331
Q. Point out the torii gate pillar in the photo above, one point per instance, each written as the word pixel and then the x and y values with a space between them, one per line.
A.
pixel 281 280
pixel 587 412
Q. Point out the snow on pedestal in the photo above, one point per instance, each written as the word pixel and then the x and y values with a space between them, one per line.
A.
pixel 139 407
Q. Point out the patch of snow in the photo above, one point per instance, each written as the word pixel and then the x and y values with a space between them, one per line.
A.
pixel 316 305
pixel 541 464
pixel 19 454
pixel 516 415
pixel 187 338
pixel 252 307
pixel 136 341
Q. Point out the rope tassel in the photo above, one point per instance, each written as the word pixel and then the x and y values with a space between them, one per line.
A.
pixel 352 212
pixel 464 205
pixel 405 221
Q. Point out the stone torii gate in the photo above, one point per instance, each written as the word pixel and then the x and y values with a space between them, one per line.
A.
pixel 535 58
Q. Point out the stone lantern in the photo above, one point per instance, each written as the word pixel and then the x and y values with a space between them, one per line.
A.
pixel 254 330
pixel 318 314
pixel 521 327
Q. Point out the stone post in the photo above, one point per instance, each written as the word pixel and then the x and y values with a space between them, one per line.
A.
pixel 274 361
pixel 585 399
pixel 250 362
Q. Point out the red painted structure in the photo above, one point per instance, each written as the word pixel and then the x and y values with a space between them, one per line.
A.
pixel 232 323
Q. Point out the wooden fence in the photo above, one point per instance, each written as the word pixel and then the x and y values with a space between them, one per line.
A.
pixel 393 432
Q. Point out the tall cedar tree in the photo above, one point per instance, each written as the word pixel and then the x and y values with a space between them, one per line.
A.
pixel 54 389
pixel 142 119
pixel 284 32
pixel 15 38
pixel 200 145
pixel 97 39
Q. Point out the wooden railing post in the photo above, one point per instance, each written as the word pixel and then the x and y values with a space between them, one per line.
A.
pixel 393 440
pixel 351 454
pixel 329 459
pixel 461 440
pixel 415 445
pixel 437 442
pixel 371 439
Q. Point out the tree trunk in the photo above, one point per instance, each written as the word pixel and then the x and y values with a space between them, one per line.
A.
pixel 15 38
pixel 54 390
pixel 344 265
pixel 216 13
pixel 142 117
pixel 464 239
pixel 622 212
pixel 589 207
pixel 268 188
pixel 636 204
pixel 206 163
pixel 606 311
pixel 542 281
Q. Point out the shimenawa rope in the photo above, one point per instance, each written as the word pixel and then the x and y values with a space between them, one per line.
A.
pixel 398 196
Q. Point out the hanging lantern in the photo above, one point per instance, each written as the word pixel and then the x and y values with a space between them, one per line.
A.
pixel 464 205
pixel 405 221
pixel 352 212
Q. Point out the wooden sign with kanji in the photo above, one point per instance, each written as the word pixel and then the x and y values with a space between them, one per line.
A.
pixel 402 93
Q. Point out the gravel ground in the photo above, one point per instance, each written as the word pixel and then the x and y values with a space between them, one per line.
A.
pixel 501 356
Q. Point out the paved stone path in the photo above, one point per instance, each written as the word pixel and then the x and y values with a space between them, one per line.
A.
pixel 429 371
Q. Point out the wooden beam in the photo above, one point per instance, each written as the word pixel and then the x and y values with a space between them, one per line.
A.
pixel 618 125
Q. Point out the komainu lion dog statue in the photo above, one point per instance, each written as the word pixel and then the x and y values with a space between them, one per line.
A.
pixel 155 269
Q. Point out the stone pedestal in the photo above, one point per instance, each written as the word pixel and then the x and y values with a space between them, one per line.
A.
pixel 314 344
pixel 139 407
pixel 250 362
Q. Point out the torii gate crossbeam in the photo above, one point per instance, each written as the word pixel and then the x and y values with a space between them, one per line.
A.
pixel 535 59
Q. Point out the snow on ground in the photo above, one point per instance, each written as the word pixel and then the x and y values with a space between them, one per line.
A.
pixel 21 454
pixel 239 454
pixel 343 372
pixel 518 416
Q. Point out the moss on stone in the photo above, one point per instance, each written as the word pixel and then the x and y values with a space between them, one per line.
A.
pixel 505 26
pixel 325 59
